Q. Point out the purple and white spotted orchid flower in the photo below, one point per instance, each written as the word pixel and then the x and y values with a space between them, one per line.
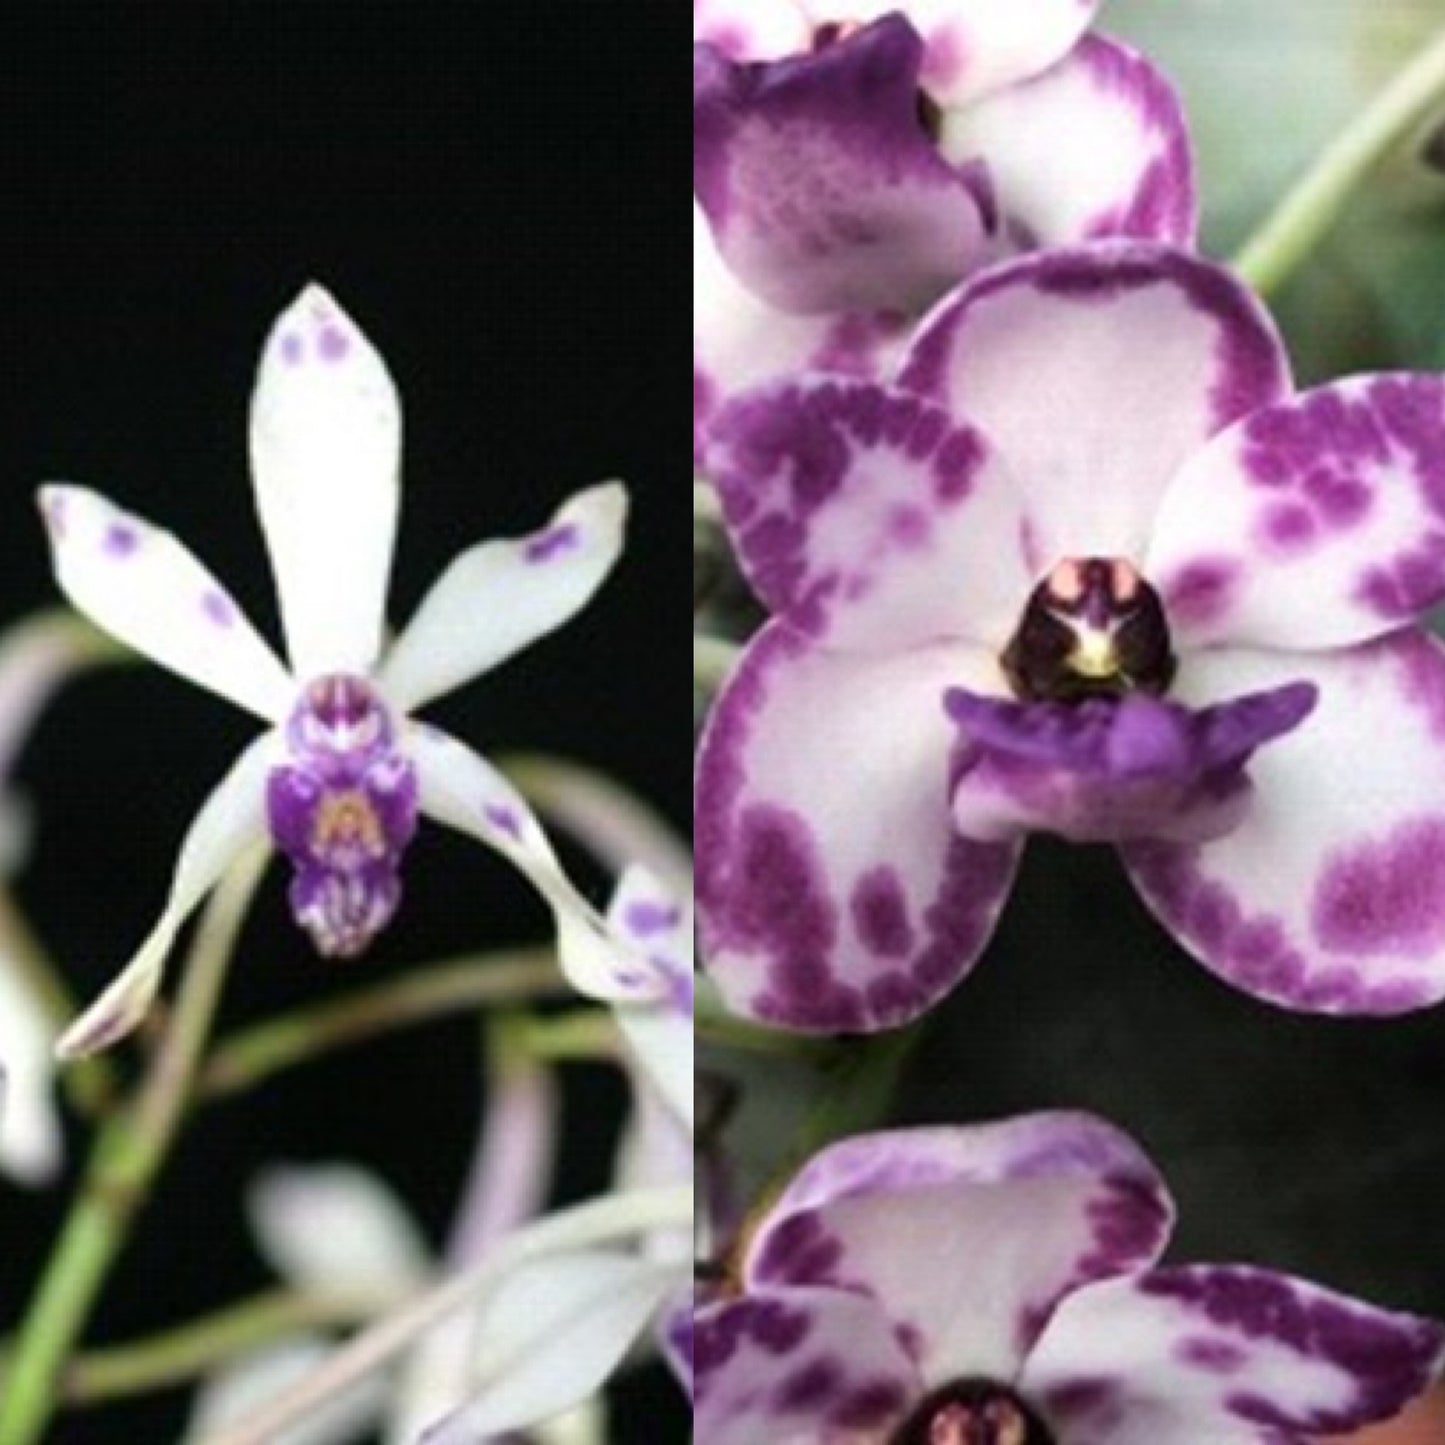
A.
pixel 1171 605
pixel 855 159
pixel 340 777
pixel 1000 1285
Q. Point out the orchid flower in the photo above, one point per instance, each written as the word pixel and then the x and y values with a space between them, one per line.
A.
pixel 855 159
pixel 1091 567
pixel 340 776
pixel 1000 1285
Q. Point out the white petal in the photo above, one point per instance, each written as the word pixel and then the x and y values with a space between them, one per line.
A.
pixel 231 820
pixel 661 1042
pixel 500 597
pixel 237 1391
pixel 739 341
pixel 751 29
pixel 554 1333
pixel 141 585
pixel 330 1227
pixel 30 1135
pixel 326 453
pixel 1095 146
pixel 1329 897
pixel 462 791
pixel 656 1151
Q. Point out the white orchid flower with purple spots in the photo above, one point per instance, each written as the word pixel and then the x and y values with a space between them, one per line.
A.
pixel 1171 604
pixel 1000 1285
pixel 340 777
pixel 855 159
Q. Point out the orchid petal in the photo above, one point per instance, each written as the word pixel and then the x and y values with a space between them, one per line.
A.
pixel 1316 523
pixel 657 1151
pixel 31 1140
pixel 868 518
pixel 336 1227
pixel 751 29
pixel 658 928
pixel 661 1041
pixel 824 191
pixel 551 1335
pixel 975 47
pixel 462 791
pixel 1232 1355
pixel 1330 895
pixel 240 1389
pixel 739 341
pixel 326 455
pixel 500 597
pixel 967 1239
pixel 834 895
pixel 1097 146
pixel 1096 372
pixel 230 823
pixel 798 1366
pixel 143 587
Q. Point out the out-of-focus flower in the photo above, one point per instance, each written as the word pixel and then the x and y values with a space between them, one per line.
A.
pixel 1001 1284
pixel 535 1351
pixel 1093 517
pixel 547 1338
pixel 37 656
pixel 342 774
pixel 849 169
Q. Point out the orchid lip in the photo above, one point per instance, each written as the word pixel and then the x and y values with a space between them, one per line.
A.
pixel 973 1412
pixel 343 807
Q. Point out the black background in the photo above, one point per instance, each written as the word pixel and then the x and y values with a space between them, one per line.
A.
pixel 479 184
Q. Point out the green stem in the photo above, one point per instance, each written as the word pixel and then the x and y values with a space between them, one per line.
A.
pixel 581 1036
pixel 127 1158
pixel 1311 208
pixel 256 1054
pixel 177 1356
pixel 712 660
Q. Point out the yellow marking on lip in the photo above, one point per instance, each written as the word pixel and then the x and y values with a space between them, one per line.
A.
pixel 346 819
pixel 1094 655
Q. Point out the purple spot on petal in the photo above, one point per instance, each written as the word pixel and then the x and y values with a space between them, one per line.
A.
pixel 219 610
pixel 1215 1356
pixel 293 349
pixel 121 540
pixel 500 816
pixel 1288 527
pixel 333 343
pixel 1387 896
pixel 646 919
pixel 879 909
pixel 1202 592
pixel 553 543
